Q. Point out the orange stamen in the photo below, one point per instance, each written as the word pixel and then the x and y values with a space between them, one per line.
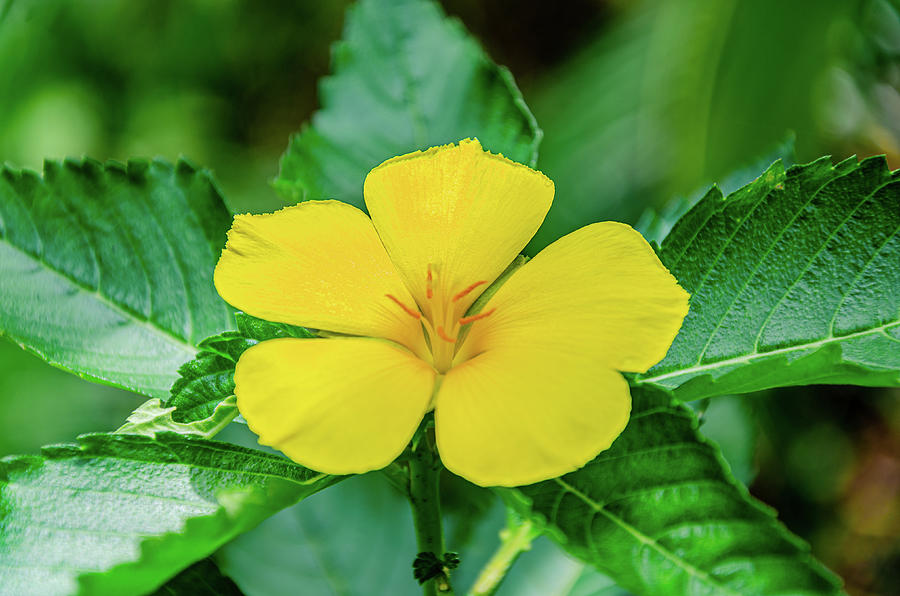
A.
pixel 414 314
pixel 473 318
pixel 467 290
pixel 429 290
pixel 444 336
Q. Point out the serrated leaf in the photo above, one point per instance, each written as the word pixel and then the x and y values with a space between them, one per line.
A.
pixel 208 379
pixel 660 513
pixel 405 77
pixel 120 514
pixel 200 579
pixel 151 418
pixel 106 269
pixel 794 279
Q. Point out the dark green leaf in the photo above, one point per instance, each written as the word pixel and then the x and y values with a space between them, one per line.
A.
pixel 120 514
pixel 660 513
pixel 405 77
pixel 209 378
pixel 106 269
pixel 200 579
pixel 794 279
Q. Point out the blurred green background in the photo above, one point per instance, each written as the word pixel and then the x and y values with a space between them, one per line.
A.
pixel 641 102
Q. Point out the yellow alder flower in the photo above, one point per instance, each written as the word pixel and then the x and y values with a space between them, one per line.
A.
pixel 525 390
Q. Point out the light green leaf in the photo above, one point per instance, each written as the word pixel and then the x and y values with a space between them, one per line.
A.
pixel 200 579
pixel 360 541
pixel 794 280
pixel 545 570
pixel 208 379
pixel 120 514
pixel 405 77
pixel 356 542
pixel 152 418
pixel 106 269
pixel 660 513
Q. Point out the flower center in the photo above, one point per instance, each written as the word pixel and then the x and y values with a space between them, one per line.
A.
pixel 442 318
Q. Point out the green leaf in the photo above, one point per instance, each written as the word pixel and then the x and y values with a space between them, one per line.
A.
pixel 660 513
pixel 793 280
pixel 152 418
pixel 545 570
pixel 360 541
pixel 200 579
pixel 405 77
pixel 728 421
pixel 120 514
pixel 208 379
pixel 106 269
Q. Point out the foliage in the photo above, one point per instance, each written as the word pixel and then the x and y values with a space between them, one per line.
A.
pixel 209 378
pixel 661 513
pixel 107 268
pixel 120 514
pixel 106 272
pixel 405 78
pixel 793 281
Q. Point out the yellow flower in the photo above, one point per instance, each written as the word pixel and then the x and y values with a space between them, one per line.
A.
pixel 524 390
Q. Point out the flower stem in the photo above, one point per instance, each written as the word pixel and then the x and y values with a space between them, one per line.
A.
pixel 514 541
pixel 424 498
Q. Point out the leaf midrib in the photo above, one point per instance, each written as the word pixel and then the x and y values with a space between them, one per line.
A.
pixel 746 358
pixel 242 471
pixel 123 311
pixel 691 570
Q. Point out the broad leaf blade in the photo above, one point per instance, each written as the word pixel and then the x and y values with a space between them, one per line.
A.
pixel 208 379
pixel 794 280
pixel 106 269
pixel 120 514
pixel 660 513
pixel 405 78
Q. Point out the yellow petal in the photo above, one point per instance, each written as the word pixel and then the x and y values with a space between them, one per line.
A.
pixel 600 291
pixel 463 211
pixel 319 264
pixel 339 406
pixel 514 417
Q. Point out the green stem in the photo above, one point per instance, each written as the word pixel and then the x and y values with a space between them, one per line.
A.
pixel 424 498
pixel 514 541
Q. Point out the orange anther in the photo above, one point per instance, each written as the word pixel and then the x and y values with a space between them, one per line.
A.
pixel 473 318
pixel 467 290
pixel 429 290
pixel 414 314
pixel 444 336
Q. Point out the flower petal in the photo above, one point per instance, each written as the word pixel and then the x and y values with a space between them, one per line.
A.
pixel 600 291
pixel 339 406
pixel 460 210
pixel 513 417
pixel 319 264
